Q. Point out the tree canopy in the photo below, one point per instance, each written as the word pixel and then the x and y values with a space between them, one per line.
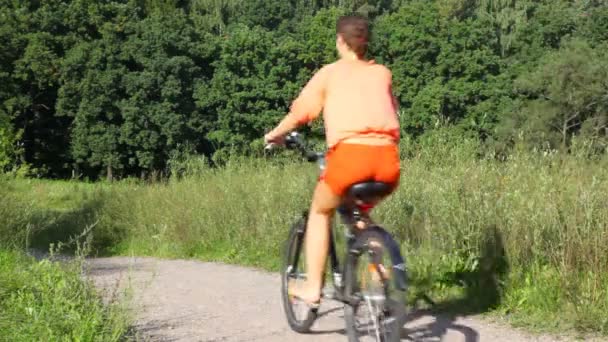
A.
pixel 115 88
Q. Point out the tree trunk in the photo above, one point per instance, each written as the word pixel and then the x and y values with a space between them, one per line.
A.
pixel 564 134
pixel 109 172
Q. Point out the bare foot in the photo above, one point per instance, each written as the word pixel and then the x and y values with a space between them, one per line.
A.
pixel 302 292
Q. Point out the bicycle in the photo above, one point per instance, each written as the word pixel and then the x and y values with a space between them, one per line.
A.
pixel 365 244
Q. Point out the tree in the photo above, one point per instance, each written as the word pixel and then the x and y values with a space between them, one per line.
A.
pixel 507 17
pixel 317 34
pixel 407 41
pixel 468 66
pixel 9 152
pixel 35 42
pixel 271 15
pixel 165 59
pixel 90 92
pixel 548 23
pixel 566 93
pixel 258 70
pixel 442 66
pixel 115 88
pixel 91 88
pixel 594 24
pixel 214 15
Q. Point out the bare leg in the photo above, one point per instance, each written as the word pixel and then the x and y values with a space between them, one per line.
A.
pixel 316 242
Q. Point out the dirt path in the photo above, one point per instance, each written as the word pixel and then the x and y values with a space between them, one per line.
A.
pixel 180 300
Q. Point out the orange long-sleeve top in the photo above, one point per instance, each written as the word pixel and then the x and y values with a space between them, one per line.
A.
pixel 356 100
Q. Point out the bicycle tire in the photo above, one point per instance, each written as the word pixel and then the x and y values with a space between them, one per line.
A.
pixel 394 307
pixel 293 250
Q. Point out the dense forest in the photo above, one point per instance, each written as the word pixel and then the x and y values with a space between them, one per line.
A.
pixel 98 88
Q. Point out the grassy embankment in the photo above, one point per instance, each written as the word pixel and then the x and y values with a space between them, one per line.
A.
pixel 524 238
pixel 45 300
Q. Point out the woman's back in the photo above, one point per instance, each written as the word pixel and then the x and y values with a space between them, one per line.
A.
pixel 358 100
pixel 355 97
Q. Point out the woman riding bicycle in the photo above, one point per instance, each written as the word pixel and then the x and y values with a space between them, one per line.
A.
pixel 362 133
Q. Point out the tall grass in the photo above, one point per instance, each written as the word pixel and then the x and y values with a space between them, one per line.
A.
pixel 45 300
pixel 524 237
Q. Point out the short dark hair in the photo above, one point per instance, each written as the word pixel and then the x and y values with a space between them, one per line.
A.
pixel 354 29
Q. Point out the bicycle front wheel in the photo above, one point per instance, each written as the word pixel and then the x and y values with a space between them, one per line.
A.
pixel 299 316
pixel 374 313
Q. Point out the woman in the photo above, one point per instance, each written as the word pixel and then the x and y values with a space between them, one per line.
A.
pixel 362 133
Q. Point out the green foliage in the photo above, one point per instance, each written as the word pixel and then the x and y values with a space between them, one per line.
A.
pixel 407 41
pixel 258 70
pixel 134 87
pixel 594 25
pixel 443 67
pixel 8 139
pixel 566 95
pixel 507 18
pixel 479 234
pixel 41 300
pixel 14 217
pixel 115 89
pixel 317 34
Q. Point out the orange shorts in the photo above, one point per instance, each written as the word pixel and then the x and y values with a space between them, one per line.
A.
pixel 348 164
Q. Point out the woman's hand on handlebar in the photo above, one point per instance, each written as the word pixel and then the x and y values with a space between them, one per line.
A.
pixel 274 139
pixel 277 135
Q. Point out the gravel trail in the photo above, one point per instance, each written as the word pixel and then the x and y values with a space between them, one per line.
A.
pixel 186 300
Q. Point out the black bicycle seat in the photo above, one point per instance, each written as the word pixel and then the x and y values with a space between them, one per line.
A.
pixel 369 192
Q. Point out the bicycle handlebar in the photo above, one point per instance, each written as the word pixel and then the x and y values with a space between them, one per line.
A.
pixel 269 147
pixel 293 141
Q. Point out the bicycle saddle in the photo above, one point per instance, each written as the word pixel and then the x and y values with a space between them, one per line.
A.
pixel 368 192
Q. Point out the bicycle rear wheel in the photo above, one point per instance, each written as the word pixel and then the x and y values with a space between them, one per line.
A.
pixel 376 311
pixel 299 316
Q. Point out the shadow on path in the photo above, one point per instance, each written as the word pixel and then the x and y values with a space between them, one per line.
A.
pixel 483 289
pixel 435 330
